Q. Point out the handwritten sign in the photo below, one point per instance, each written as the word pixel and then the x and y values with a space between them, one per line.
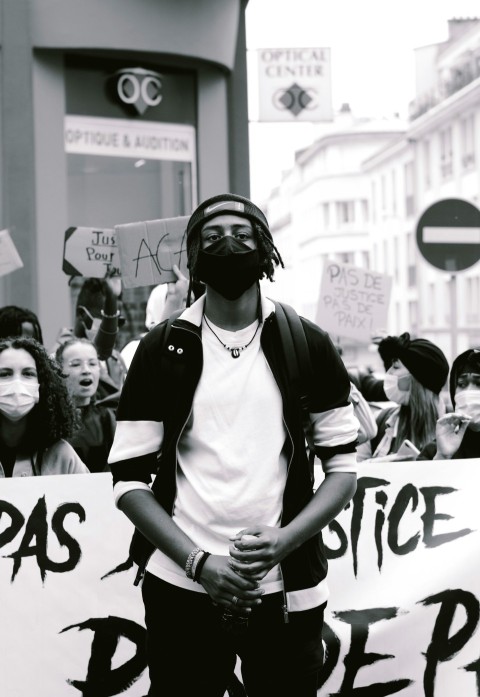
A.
pixel 9 257
pixel 149 249
pixel 90 252
pixel 353 301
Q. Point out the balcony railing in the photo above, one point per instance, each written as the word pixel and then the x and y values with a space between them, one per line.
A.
pixel 459 78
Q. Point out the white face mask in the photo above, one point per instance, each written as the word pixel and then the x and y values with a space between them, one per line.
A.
pixel 392 390
pixel 468 402
pixel 18 397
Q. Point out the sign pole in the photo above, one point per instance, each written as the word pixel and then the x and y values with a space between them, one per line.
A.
pixel 453 314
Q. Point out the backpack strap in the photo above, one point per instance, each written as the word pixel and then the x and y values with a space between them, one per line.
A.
pixel 294 342
pixel 298 362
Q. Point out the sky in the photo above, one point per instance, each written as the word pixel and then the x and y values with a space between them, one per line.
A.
pixel 372 46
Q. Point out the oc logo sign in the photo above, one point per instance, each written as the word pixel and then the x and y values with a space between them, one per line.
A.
pixel 138 88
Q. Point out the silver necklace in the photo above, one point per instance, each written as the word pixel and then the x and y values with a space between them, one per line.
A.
pixel 236 350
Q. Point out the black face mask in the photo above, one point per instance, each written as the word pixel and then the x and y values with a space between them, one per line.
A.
pixel 229 267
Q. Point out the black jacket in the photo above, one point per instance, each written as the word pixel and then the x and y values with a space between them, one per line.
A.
pixel 161 384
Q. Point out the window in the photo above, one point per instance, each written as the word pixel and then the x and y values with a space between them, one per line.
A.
pixel 374 202
pixel 413 315
pixel 345 212
pixel 365 211
pixel 467 130
pixel 411 267
pixel 396 258
pixel 326 215
pixel 409 174
pixel 383 194
pixel 431 303
pixel 472 300
pixel 346 257
pixel 427 165
pixel 446 153
pixel 394 192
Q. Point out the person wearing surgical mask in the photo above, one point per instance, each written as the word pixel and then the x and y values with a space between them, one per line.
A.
pixel 458 432
pixel 78 359
pixel 36 413
pixel 416 371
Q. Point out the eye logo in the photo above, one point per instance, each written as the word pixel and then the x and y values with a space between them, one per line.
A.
pixel 295 99
pixel 138 88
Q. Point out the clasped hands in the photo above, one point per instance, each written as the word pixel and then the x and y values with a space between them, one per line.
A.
pixel 234 581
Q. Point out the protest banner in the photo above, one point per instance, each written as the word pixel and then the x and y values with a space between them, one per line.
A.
pixel 69 623
pixel 404 575
pixel 149 249
pixel 353 302
pixel 9 257
pixel 404 578
pixel 90 252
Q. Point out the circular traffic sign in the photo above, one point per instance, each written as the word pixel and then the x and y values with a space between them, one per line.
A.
pixel 448 234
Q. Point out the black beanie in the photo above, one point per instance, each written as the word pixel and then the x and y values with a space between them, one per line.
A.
pixel 466 362
pixel 425 361
pixel 226 204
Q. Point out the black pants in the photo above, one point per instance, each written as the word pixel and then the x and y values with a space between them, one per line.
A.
pixel 191 652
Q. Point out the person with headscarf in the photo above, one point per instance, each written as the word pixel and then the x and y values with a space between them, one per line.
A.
pixel 458 432
pixel 416 371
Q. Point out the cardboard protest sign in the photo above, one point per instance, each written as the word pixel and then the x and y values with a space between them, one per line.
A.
pixel 9 257
pixel 353 302
pixel 149 249
pixel 90 252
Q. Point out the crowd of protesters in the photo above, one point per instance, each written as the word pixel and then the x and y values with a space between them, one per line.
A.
pixel 87 405
pixel 409 413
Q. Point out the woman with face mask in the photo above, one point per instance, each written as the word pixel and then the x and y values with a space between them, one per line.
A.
pixel 416 370
pixel 458 433
pixel 80 365
pixel 36 413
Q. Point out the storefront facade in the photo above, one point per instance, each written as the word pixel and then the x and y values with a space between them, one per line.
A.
pixel 112 111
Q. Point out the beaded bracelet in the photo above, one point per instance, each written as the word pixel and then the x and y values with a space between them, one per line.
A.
pixel 198 557
pixel 115 316
pixel 190 560
pixel 199 566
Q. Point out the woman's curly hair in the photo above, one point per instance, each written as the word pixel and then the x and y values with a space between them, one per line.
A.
pixel 55 416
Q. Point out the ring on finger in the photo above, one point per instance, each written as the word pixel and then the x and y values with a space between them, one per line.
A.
pixel 234 600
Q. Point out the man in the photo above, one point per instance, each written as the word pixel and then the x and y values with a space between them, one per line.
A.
pixel 239 566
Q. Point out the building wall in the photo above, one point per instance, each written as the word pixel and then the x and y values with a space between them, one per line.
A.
pixel 205 38
pixel 321 210
pixel 436 157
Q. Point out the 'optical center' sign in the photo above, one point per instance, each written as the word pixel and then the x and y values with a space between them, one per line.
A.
pixel 294 84
pixel 88 135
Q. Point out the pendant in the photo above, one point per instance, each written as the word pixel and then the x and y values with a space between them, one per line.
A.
pixel 235 352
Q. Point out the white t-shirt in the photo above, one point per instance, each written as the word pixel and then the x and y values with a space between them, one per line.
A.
pixel 231 465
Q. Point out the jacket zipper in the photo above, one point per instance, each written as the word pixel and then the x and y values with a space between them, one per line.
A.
pixel 184 423
pixel 141 571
